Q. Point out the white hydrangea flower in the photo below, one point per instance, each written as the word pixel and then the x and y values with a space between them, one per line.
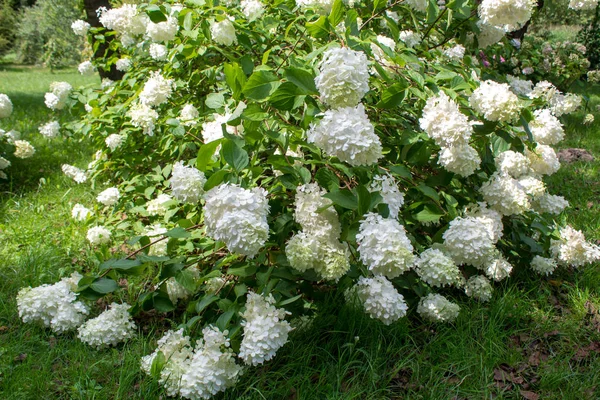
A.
pixel 189 115
pixel 546 128
pixel 444 123
pixel 498 269
pixel 544 90
pixel 142 116
pixel 489 34
pixel 23 149
pixel 492 219
pixel 462 159
pixel 455 53
pixel 583 4
pixel 479 288
pixel 212 285
pixel 109 196
pixel 106 83
pixel 511 14
pixel 176 290
pixel 549 203
pixel 11 136
pixel 326 255
pixel 543 266
pixel 388 189
pixel 543 160
pixel 410 38
pixel 98 235
pixel 157 206
pixel 437 269
pixel 437 308
pixel 561 104
pixel 78 175
pixel 532 186
pixel 265 329
pixel 343 77
pixel 380 299
pixel 505 195
pixel 512 163
pixel 80 27
pixel 469 241
pixel 155 232
pixel 572 248
pixel 80 212
pixel 4 163
pixel 378 52
pixel 162 31
pixel 187 183
pixel 495 101
pixel 210 369
pixel 86 68
pixel 417 5
pixel 520 86
pixel 390 254
pixel 55 306
pixel 223 32
pixel 50 129
pixel 57 98
pixel 316 213
pixel 6 106
pixel 124 64
pixel 323 7
pixel 157 90
pixel 238 217
pixel 177 351
pixel 115 140
pixel 125 20
pixel 158 52
pixel 252 9
pixel 110 328
pixel 347 133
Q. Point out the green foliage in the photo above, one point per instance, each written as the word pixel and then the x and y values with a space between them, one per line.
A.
pixel 44 34
pixel 590 37
pixel 8 22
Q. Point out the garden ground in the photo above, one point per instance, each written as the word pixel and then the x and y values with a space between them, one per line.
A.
pixel 537 338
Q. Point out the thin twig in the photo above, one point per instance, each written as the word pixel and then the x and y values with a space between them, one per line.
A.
pixel 379 13
pixel 156 241
pixel 434 23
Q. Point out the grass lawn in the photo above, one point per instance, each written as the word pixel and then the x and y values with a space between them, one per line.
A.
pixel 537 336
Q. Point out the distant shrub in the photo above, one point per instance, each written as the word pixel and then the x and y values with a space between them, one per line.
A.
pixel 590 37
pixel 44 34
pixel 8 19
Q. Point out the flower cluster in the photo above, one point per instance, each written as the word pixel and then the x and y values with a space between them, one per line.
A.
pixel 479 288
pixel 114 141
pixel 56 98
pixel 343 77
pixel 572 248
pixel 347 133
pixel 80 27
pixel 390 254
pixel 142 116
pixel 55 306
pixel 157 90
pixel 80 212
pixel 187 183
pixel 223 32
pixel 109 196
pixel 78 175
pixel 23 149
pixel 437 308
pixel 438 269
pixel 50 129
pixel 98 235
pixel 510 14
pixel 110 328
pixel 6 106
pixel 495 101
pixel 265 329
pixel 380 299
pixel 238 217
pixel 157 206
pixel 388 189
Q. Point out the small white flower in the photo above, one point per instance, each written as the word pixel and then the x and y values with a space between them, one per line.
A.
pixel 109 196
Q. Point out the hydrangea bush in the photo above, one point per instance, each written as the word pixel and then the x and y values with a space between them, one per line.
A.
pixel 11 144
pixel 269 153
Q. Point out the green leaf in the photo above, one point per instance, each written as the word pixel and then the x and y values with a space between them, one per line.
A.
pixel 224 319
pixel 240 289
pixel 187 280
pixel 343 198
pixel 337 13
pixel 234 155
pixel 430 213
pixel 215 179
pixel 364 199
pixel 320 28
pixel 205 302
pixel 187 21
pixel 260 85
pixel 287 97
pixel 162 303
pixel 526 127
pixel 158 363
pixel 304 79
pixel 123 266
pixel 378 4
pixel 235 78
pixel 155 14
pixel 290 300
pixel 429 192
pixel 401 170
pixel 215 100
pixel 393 95
pixel 104 285
pixel 246 270
pixel 178 233
pixel 206 153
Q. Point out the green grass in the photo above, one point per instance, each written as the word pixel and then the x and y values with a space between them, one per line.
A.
pixel 534 329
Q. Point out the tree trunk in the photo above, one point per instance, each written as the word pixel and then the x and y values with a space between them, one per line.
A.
pixel 103 51
pixel 520 33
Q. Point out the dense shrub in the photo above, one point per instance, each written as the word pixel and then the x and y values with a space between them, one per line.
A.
pixel 262 155
pixel 44 34
pixel 590 37
pixel 8 19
